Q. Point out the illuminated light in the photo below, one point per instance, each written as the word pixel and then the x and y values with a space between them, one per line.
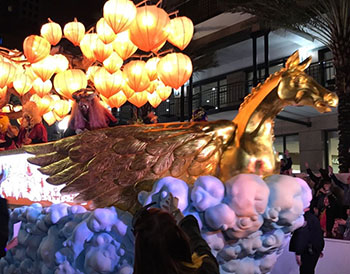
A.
pixel 167 109
pixel 115 101
pixel 101 50
pixel 52 32
pixel 163 91
pixel 139 98
pixel 152 86
pixel 7 74
pixel 74 32
pixel 167 101
pixel 208 101
pixel 113 63
pixel 149 28
pixel 36 48
pixel 45 68
pixel 123 46
pixel 119 14
pixel 127 90
pixel 174 69
pixel 104 31
pixel 154 99
pixel 61 108
pixel 136 75
pixel 151 68
pixel 180 31
pixel 108 84
pixel 87 44
pixel 44 104
pixel 61 62
pixel 49 118
pixel 216 108
pixel 42 88
pixel 63 125
pixel 70 81
pixel 22 83
pixel 91 72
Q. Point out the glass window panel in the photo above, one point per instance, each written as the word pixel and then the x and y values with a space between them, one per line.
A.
pixel 210 86
pixel 332 142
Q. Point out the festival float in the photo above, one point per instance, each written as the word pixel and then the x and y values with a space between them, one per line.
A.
pixel 225 173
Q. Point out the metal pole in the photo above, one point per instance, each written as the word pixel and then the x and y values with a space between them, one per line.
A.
pixel 266 48
pixel 255 76
pixel 182 104
pixel 190 99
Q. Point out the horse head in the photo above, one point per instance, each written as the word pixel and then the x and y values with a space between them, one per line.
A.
pixel 298 88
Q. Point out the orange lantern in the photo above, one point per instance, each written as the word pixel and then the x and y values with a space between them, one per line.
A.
pixel 136 75
pixel 139 98
pixel 61 108
pixel 151 68
pixel 180 32
pixel 43 104
pixel 52 32
pixel 74 32
pixel 108 84
pixel 91 72
pixel 45 68
pixel 127 90
pixel 87 44
pixel 119 14
pixel 123 45
pixel 22 83
pixel 36 48
pixel 3 92
pixel 115 101
pixel 30 73
pixel 154 99
pixel 7 74
pixel 49 118
pixel 163 91
pixel 61 62
pixel 149 29
pixel 104 31
pixel 152 86
pixel 174 69
pixel 69 81
pixel 113 63
pixel 42 88
pixel 101 50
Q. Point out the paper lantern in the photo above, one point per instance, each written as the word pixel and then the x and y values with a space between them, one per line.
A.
pixel 74 32
pixel 113 63
pixel 152 86
pixel 154 99
pixel 30 73
pixel 61 63
pixel 49 118
pixel 42 88
pixel 104 31
pixel 180 32
pixel 151 68
pixel 119 14
pixel 101 50
pixel 87 44
pixel 52 32
pixel 108 84
pixel 45 68
pixel 91 72
pixel 163 91
pixel 115 101
pixel 127 90
pixel 22 83
pixel 43 104
pixel 7 74
pixel 174 69
pixel 61 108
pixel 123 45
pixel 69 81
pixel 155 50
pixel 149 29
pixel 136 75
pixel 36 48
pixel 139 98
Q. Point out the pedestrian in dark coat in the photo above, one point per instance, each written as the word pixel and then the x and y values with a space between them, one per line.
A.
pixel 4 226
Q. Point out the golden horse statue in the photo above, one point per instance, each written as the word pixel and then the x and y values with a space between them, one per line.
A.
pixel 110 166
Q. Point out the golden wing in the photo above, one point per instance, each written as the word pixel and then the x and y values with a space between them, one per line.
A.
pixel 110 166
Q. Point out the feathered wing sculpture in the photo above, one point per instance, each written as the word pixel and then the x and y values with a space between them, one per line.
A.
pixel 110 166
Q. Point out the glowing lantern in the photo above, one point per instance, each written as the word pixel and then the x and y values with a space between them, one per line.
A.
pixel 151 68
pixel 61 108
pixel 49 118
pixel 36 48
pixel 101 50
pixel 42 88
pixel 7 74
pixel 163 91
pixel 158 48
pixel 115 101
pixel 113 63
pixel 43 104
pixel 136 75
pixel 119 14
pixel 123 45
pixel 139 98
pixel 87 44
pixel 3 92
pixel 127 90
pixel 152 86
pixel 45 68
pixel 22 83
pixel 52 32
pixel 149 29
pixel 174 69
pixel 180 32
pixel 30 73
pixel 108 84
pixel 154 99
pixel 74 32
pixel 61 62
pixel 104 31
pixel 91 72
pixel 69 81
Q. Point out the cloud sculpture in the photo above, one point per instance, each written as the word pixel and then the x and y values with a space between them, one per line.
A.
pixel 244 220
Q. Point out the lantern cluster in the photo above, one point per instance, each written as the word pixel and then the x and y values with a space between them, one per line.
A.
pixel 124 28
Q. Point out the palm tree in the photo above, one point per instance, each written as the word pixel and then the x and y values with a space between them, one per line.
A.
pixel 329 22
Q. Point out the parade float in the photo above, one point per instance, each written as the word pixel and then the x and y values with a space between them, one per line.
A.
pixel 223 172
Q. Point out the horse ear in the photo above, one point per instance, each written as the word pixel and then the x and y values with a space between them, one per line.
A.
pixel 293 61
pixel 305 64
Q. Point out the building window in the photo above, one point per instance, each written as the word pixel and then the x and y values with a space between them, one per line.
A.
pixel 332 140
pixel 290 143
